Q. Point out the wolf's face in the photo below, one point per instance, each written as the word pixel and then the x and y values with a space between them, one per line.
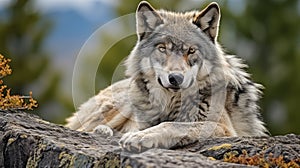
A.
pixel 174 62
pixel 177 48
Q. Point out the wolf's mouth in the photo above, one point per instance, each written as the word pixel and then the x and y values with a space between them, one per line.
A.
pixel 173 88
pixel 170 88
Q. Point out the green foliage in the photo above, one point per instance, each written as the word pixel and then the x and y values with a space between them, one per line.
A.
pixel 22 33
pixel 271 28
pixel 21 36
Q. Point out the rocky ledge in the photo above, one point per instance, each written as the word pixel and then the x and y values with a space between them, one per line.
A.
pixel 28 141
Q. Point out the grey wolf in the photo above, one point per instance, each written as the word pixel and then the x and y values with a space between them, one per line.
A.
pixel 180 86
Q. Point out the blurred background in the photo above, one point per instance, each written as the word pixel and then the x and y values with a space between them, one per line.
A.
pixel 44 37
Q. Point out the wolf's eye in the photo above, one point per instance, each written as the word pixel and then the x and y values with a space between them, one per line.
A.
pixel 161 48
pixel 191 50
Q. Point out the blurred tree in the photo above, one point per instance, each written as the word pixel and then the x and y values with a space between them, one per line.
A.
pixel 267 34
pixel 22 33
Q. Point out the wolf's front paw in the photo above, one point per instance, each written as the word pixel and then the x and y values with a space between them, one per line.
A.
pixel 103 130
pixel 140 141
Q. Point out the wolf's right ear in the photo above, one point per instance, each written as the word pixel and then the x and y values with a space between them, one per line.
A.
pixel 147 19
pixel 208 20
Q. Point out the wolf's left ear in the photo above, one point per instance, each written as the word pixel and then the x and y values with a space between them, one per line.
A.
pixel 147 19
pixel 208 20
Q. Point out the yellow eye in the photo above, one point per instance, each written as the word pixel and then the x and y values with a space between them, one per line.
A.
pixel 161 48
pixel 191 50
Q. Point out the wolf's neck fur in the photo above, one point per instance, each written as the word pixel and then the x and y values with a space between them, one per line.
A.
pixel 161 105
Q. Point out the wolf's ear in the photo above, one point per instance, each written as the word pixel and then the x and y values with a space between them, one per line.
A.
pixel 147 19
pixel 208 20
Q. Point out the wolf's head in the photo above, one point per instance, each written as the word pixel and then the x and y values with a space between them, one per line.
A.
pixel 177 50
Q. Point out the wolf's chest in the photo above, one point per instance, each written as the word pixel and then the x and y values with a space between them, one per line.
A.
pixel 189 108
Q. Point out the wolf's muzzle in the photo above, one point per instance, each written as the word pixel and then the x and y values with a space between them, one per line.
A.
pixel 176 79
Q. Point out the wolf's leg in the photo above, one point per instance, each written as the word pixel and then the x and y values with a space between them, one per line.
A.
pixel 170 134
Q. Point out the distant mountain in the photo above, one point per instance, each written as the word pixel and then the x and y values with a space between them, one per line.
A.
pixel 73 27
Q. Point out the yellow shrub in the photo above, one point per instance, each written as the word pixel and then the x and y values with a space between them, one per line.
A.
pixel 12 102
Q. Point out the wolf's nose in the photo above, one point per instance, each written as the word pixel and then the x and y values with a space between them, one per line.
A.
pixel 176 79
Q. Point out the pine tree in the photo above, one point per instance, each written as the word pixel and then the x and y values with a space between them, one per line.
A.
pixel 22 34
pixel 270 33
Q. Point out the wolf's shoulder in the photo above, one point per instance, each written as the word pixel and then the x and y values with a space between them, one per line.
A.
pixel 116 89
pixel 119 85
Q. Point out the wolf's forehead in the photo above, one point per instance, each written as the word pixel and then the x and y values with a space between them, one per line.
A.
pixel 179 25
pixel 173 42
pixel 178 16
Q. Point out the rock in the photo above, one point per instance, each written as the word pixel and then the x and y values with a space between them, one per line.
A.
pixel 28 141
